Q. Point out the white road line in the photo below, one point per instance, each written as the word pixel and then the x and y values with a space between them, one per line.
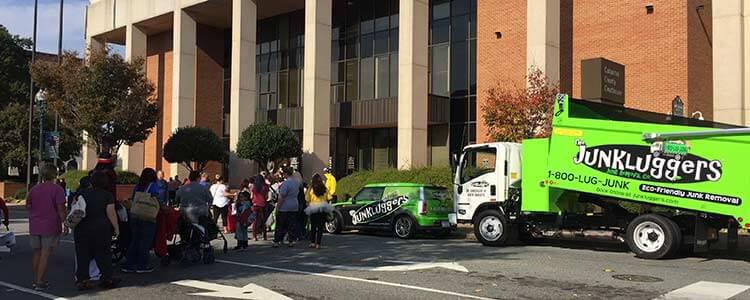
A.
pixel 412 287
pixel 705 290
pixel 30 291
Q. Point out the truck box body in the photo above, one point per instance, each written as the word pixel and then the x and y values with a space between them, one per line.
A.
pixel 611 151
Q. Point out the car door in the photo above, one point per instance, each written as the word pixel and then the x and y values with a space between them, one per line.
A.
pixel 477 180
pixel 365 196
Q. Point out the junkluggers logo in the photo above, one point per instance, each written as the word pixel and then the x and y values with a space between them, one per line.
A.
pixel 637 162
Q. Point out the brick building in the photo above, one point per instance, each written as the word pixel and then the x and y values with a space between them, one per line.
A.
pixel 371 84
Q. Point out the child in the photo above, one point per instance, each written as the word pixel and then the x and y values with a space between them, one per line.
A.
pixel 243 208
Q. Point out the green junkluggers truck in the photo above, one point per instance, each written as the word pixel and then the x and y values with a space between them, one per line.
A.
pixel 656 182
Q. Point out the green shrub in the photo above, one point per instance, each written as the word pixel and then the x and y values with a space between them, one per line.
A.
pixel 20 194
pixel 127 177
pixel 438 176
pixel 73 177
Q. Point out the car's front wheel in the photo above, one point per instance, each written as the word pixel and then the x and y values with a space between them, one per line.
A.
pixel 491 228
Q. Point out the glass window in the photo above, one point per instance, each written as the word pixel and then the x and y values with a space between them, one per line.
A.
pixel 472 25
pixel 472 109
pixel 294 87
pixel 337 93
pixel 366 45
pixel 264 78
pixel 394 39
pixel 351 47
pixel 439 70
pixel 381 84
pixel 477 162
pixel 459 69
pixel 352 84
pixel 473 67
pixel 394 20
pixel 284 89
pixel 381 42
pixel 440 31
pixel 459 31
pixel 369 194
pixel 459 7
pixel 273 82
pixel 381 23
pixel 367 26
pixel 394 74
pixel 441 9
pixel 367 80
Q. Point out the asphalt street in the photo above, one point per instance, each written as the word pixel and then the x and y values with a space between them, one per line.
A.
pixel 378 266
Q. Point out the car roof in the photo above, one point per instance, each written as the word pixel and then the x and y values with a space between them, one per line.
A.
pixel 401 184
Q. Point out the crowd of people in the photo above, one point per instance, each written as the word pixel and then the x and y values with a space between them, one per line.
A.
pixel 281 200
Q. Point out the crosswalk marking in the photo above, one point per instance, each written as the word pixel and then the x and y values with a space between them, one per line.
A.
pixel 705 290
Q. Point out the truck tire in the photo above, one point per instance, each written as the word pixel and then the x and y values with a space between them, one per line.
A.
pixel 334 225
pixel 491 228
pixel 653 236
pixel 404 226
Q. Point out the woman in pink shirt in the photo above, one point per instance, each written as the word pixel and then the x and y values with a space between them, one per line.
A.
pixel 46 205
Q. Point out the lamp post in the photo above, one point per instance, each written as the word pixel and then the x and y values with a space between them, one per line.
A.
pixel 42 108
pixel 31 102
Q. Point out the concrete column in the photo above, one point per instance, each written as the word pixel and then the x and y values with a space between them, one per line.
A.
pixel 131 157
pixel 183 76
pixel 88 152
pixel 242 90
pixel 543 37
pixel 317 83
pixel 412 85
pixel 730 61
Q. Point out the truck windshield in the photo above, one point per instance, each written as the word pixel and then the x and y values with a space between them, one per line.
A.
pixel 477 162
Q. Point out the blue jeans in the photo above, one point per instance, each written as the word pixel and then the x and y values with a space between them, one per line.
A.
pixel 141 242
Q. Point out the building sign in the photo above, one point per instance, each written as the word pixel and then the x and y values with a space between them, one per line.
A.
pixel 603 80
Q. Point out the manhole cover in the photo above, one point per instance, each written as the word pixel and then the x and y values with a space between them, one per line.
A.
pixel 637 278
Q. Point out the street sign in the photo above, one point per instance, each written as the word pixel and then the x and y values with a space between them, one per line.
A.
pixel 249 291
pixel 13 171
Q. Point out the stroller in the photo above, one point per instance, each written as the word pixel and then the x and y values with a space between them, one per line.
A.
pixel 194 245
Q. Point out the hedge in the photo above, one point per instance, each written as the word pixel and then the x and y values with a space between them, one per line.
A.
pixel 73 177
pixel 438 176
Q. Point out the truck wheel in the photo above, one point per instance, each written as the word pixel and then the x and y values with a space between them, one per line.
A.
pixel 653 236
pixel 333 225
pixel 491 228
pixel 403 227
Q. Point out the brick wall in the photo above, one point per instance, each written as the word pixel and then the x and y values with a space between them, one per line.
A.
pixel 653 48
pixel 159 71
pixel 209 88
pixel 700 65
pixel 499 61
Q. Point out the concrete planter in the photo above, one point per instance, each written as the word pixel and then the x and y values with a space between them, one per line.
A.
pixel 124 191
pixel 9 189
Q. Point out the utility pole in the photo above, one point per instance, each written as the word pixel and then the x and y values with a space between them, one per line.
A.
pixel 59 61
pixel 42 108
pixel 31 102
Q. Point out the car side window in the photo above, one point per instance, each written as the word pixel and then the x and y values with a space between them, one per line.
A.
pixel 369 194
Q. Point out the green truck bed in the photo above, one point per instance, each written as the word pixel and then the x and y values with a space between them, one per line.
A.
pixel 600 149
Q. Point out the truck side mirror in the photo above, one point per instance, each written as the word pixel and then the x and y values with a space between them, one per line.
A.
pixel 454 160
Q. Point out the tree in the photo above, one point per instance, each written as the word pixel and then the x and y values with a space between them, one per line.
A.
pixel 15 55
pixel 108 98
pixel 514 113
pixel 194 147
pixel 14 68
pixel 266 143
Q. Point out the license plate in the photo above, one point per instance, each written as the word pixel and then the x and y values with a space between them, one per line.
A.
pixel 445 224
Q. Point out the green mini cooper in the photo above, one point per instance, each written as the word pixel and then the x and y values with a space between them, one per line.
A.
pixel 404 208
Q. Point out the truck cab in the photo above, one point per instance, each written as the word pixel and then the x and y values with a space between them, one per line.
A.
pixel 486 176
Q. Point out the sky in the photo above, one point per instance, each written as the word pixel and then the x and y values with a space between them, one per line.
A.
pixel 18 17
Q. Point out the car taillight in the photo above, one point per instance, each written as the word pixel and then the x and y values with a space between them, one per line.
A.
pixel 422 202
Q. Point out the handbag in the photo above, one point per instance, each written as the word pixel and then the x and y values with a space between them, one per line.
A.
pixel 77 212
pixel 145 206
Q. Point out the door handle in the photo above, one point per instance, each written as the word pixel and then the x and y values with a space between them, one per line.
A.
pixel 460 189
pixel 493 190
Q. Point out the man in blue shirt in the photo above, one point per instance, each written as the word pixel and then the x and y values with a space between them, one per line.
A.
pixel 286 209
